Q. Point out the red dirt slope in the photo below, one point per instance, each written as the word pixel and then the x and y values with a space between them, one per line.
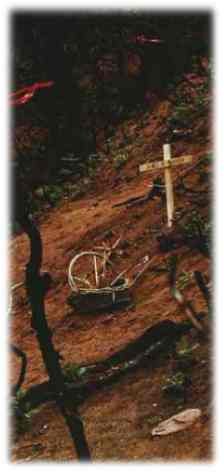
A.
pixel 118 419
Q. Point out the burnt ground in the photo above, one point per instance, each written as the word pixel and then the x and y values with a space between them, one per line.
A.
pixel 119 418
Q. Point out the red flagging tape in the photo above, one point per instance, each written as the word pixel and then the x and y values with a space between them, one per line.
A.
pixel 25 94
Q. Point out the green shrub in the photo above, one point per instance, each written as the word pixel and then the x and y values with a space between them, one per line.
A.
pixel 92 163
pixel 53 193
pixel 188 107
pixel 198 230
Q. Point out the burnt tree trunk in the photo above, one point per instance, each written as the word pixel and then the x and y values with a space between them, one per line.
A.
pixel 36 285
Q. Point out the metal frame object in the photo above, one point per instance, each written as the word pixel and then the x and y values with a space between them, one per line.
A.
pixel 88 297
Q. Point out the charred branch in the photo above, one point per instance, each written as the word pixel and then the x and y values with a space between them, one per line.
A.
pixel 156 191
pixel 19 353
pixel 146 351
pixel 36 289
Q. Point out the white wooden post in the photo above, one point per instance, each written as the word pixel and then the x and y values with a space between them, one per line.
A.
pixel 168 184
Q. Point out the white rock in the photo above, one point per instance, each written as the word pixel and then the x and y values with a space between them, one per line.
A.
pixel 177 422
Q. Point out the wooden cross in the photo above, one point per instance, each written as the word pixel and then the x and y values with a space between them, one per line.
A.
pixel 166 164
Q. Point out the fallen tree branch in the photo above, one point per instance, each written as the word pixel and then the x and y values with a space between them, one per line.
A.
pixel 157 341
pixel 154 192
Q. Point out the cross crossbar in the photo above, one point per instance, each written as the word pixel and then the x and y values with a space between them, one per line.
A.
pixel 161 164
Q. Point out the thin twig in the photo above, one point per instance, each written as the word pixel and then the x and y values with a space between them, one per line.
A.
pixel 18 285
pixel 185 305
pixel 187 308
pixel 203 288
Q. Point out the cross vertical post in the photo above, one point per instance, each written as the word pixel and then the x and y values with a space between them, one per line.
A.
pixel 166 164
pixel 168 184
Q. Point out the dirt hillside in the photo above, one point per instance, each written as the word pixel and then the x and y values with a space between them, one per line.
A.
pixel 118 419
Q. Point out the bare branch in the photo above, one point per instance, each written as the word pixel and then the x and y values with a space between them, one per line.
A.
pixel 203 288
pixel 36 286
pixel 22 374
pixel 185 305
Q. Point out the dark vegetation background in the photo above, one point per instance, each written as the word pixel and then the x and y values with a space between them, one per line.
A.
pixel 103 73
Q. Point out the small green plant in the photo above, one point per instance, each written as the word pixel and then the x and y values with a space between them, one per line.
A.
pixel 184 347
pixel 34 205
pixel 190 105
pixel 171 262
pixel 198 230
pixel 195 63
pixel 181 116
pixel 201 100
pixel 73 372
pixel 184 280
pixel 152 420
pixel 92 163
pixel 20 419
pixel 120 160
pixel 48 193
pixel 185 354
pixel 36 448
pixel 19 395
pixel 207 159
pixel 53 193
pixel 109 142
pixel 175 385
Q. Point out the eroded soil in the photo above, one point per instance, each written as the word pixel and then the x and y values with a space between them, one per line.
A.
pixel 118 419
